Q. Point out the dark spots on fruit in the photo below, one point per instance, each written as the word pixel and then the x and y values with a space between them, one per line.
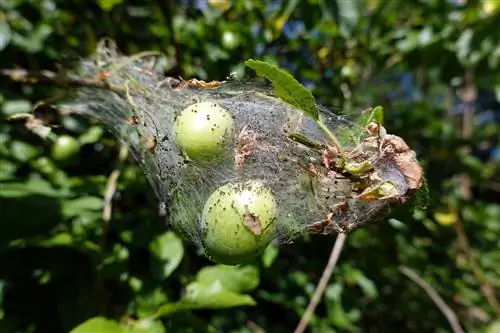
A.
pixel 134 120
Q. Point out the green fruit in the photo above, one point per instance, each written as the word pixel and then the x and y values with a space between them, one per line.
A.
pixel 204 131
pixel 239 222
pixel 65 149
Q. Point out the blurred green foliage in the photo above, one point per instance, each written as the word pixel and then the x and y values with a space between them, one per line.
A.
pixel 68 267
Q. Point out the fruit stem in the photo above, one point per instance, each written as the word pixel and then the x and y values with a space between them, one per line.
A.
pixel 332 137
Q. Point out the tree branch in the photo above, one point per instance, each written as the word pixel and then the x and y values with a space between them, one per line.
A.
pixel 440 303
pixel 323 282
pixel 58 79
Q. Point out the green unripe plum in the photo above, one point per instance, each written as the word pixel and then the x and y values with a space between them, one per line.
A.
pixel 65 149
pixel 204 131
pixel 239 222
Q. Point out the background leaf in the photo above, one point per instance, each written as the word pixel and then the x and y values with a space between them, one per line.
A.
pixel 168 250
pixel 98 325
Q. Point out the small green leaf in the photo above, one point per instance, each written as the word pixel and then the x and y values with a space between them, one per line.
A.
pixel 147 301
pixel 336 313
pixel 168 249
pixel 108 5
pixel 366 285
pixel 358 168
pixel 7 169
pixel 62 239
pixel 5 35
pixel 233 278
pixel 98 325
pixel 205 296
pixel 23 151
pixel 374 115
pixel 493 327
pixel 15 107
pixel 409 42
pixel 270 254
pixel 92 135
pixel 65 239
pixel 496 90
pixel 345 13
pixel 82 206
pixel 216 287
pixel 339 317
pixel 148 326
pixel 31 187
pixel 287 87
pixel 214 296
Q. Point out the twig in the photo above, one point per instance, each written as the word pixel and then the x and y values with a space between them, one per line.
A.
pixel 108 196
pixel 323 282
pixel 109 193
pixel 62 79
pixel 254 327
pixel 440 303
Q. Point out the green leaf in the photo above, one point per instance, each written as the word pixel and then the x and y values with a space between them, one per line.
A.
pixel 31 187
pixel 345 13
pixel 216 287
pixel 7 169
pixel 366 285
pixel 147 326
pixel 168 250
pixel 336 313
pixel 375 115
pixel 494 327
pixel 98 325
pixel 147 301
pixel 409 42
pixel 5 35
pixel 108 5
pixel 60 240
pixel 496 91
pixel 269 255
pixel 66 239
pixel 340 318
pixel 15 107
pixel 2 295
pixel 233 278
pixel 287 87
pixel 82 206
pixel 92 135
pixel 214 296
pixel 206 296
pixel 23 151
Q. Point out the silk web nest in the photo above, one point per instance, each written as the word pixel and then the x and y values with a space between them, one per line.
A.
pixel 318 188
